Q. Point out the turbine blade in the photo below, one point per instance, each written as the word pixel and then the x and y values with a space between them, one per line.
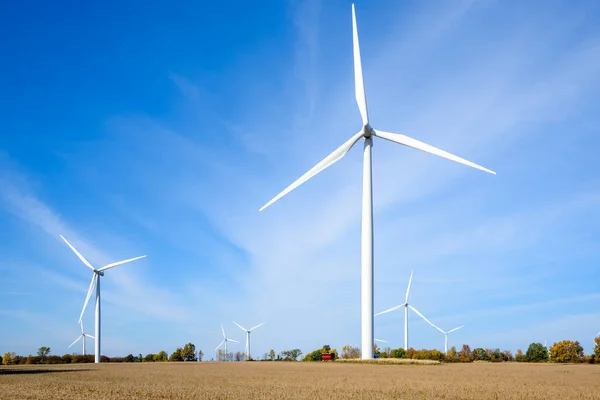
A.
pixel 108 266
pixel 90 336
pixel 455 329
pixel 241 327
pixel 82 258
pixel 76 340
pixel 379 340
pixel 359 85
pixel 231 340
pixel 220 344
pixel 254 327
pixel 408 289
pixel 391 309
pixel 89 294
pixel 335 156
pixel 428 321
pixel 415 144
pixel 223 330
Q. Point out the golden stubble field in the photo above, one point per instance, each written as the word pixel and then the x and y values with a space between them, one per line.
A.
pixel 285 380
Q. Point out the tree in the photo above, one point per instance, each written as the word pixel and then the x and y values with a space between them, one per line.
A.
pixel 452 354
pixel 508 356
pixel 176 356
pixel 480 354
pixel 519 357
pixel 148 358
pixel 398 353
pixel 67 359
pixel 536 352
pixel 43 352
pixel 8 358
pixel 566 351
pixel 350 352
pixel 597 349
pixel 272 355
pixel 130 358
pixel 188 353
pixel 291 355
pixel 161 356
pixel 200 355
pixel 465 354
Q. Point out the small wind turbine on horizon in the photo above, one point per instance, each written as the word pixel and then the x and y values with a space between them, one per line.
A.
pixel 97 273
pixel 406 306
pixel 248 356
pixel 368 133
pixel 224 341
pixel 82 338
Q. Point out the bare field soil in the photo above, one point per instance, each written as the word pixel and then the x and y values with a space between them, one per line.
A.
pixel 289 380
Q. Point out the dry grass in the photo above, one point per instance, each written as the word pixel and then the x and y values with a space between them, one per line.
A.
pixel 319 380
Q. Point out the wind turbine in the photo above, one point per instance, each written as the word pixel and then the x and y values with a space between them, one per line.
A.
pixel 97 273
pixel 367 132
pixel 248 336
pixel 406 307
pixel 446 336
pixel 82 338
pixel 224 341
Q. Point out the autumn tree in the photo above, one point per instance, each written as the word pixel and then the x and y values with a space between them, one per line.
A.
pixel 291 355
pixel 536 352
pixel 566 351
pixel 188 353
pixel 7 358
pixel 465 354
pixel 452 355
pixel 349 352
pixel 597 349
pixel 519 356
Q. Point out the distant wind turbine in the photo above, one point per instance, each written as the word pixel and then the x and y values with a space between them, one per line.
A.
pixel 224 341
pixel 406 306
pixel 82 338
pixel 368 133
pixel 248 356
pixel 97 273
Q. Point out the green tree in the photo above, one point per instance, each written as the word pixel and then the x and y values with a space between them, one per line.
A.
pixel 480 354
pixel 130 358
pixel 566 351
pixel 536 352
pixel 67 359
pixel 272 355
pixel 291 355
pixel 148 357
pixel 176 356
pixel 43 352
pixel 161 356
pixel 188 353
pixel 519 357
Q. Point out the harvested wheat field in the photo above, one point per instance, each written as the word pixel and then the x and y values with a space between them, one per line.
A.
pixel 298 380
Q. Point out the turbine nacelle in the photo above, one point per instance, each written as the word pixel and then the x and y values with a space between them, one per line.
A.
pixel 367 131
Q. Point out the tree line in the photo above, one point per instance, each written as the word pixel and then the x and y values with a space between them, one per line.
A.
pixel 565 351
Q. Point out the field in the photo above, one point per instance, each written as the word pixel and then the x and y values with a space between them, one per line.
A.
pixel 265 380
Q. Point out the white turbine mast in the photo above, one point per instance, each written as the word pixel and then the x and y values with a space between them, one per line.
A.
pixel 95 283
pixel 82 338
pixel 224 341
pixel 247 350
pixel 368 133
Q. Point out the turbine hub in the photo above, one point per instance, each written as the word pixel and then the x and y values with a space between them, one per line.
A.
pixel 367 131
pixel 101 273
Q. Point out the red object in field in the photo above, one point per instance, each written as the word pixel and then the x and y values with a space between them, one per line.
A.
pixel 327 356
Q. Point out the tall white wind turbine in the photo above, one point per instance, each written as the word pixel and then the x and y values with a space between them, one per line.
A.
pixel 368 133
pixel 97 273
pixel 248 356
pixel 82 338
pixel 224 341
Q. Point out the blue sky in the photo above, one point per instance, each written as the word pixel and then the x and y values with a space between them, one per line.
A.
pixel 160 130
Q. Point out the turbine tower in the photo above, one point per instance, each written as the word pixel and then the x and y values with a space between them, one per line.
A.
pixel 82 338
pixel 224 341
pixel 406 306
pixel 97 273
pixel 248 356
pixel 368 133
